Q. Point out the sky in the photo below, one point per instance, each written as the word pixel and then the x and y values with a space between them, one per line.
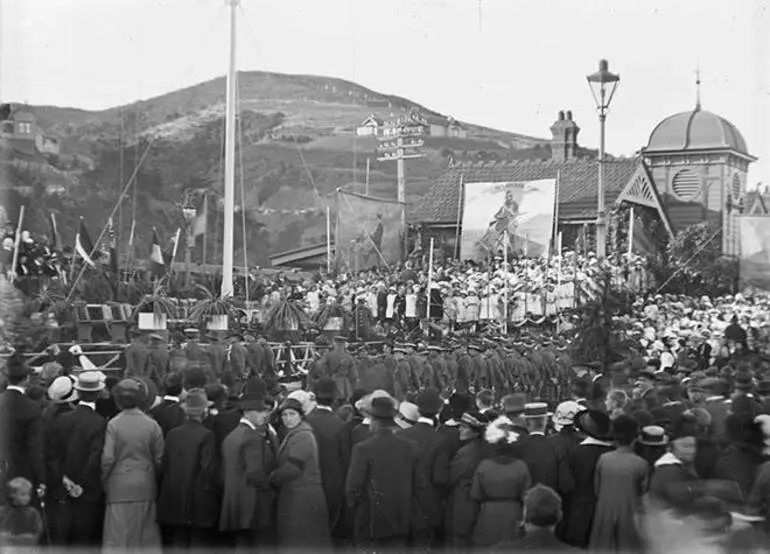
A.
pixel 507 64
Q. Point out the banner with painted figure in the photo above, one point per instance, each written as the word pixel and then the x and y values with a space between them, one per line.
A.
pixel 525 209
pixel 368 231
pixel 754 265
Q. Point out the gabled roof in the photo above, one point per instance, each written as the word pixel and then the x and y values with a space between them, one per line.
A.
pixel 756 203
pixel 577 185
pixel 372 119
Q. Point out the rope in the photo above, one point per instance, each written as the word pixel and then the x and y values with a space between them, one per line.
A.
pixel 112 214
pixel 691 258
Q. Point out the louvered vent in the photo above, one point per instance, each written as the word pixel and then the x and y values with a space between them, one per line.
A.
pixel 686 184
pixel 736 186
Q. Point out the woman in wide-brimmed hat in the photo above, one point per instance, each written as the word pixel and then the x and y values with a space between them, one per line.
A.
pixel 499 484
pixel 302 518
pixel 462 510
pixel 131 456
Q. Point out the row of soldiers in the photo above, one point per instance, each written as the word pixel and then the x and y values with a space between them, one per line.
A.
pixel 501 364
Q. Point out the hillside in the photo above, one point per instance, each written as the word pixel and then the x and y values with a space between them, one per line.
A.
pixel 297 145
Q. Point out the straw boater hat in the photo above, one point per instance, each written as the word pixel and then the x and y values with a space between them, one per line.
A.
pixel 62 390
pixel 89 381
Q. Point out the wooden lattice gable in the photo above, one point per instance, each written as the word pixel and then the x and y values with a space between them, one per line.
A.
pixel 641 190
pixel 759 206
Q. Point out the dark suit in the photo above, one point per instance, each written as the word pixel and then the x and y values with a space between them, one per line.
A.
pixel 717 408
pixel 188 499
pixel 381 486
pixel 545 465
pixel 168 414
pixel 433 465
pixel 21 439
pixel 333 448
pixel 78 445
pixel 222 424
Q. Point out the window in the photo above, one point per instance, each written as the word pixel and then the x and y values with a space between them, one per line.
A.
pixel 736 188
pixel 25 128
pixel 686 184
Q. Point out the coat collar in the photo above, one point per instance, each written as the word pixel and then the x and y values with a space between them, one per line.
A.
pixel 668 459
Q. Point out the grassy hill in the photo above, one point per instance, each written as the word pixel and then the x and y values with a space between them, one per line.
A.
pixel 296 145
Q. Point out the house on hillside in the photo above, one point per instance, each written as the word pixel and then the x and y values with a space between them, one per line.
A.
pixel 455 129
pixel 370 127
pixel 19 126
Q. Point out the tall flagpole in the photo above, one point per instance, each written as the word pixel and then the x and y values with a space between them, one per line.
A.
pixel 505 283
pixel 229 204
pixel 631 231
pixel 328 240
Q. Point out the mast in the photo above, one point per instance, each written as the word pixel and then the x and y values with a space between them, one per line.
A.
pixel 229 204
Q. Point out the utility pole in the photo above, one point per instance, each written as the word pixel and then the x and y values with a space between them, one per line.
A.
pixel 402 140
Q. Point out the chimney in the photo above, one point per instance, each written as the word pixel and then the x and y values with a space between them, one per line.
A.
pixel 564 134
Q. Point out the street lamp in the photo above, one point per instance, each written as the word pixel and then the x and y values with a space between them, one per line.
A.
pixel 189 213
pixel 603 85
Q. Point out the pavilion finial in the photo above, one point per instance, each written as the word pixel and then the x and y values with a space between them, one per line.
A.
pixel 697 86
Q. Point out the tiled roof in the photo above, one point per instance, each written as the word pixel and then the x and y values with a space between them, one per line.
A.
pixel 577 185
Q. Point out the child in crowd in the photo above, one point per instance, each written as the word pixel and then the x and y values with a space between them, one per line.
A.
pixel 20 523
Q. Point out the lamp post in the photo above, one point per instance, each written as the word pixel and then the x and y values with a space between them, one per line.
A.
pixel 603 85
pixel 189 212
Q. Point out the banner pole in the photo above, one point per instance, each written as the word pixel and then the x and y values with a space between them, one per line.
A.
pixel 430 278
pixel 328 240
pixel 17 244
pixel 459 211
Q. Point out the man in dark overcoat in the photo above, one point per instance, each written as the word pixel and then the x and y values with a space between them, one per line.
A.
pixel 21 434
pixel 77 445
pixel 248 457
pixel 169 413
pixel 333 448
pixel 382 482
pixel 188 500
pixel 433 465
pixel 541 456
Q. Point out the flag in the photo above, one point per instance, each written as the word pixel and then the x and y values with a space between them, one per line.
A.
pixel 200 223
pixel 169 254
pixel 109 247
pixel 157 263
pixel 83 245
pixel 54 231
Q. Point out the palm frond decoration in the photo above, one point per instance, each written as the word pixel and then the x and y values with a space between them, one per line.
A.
pixel 211 304
pixel 157 301
pixel 287 315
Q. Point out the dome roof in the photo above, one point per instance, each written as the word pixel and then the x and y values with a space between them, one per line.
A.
pixel 695 130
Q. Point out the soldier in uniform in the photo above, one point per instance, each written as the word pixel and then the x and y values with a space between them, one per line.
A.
pixel 137 355
pixel 342 367
pixel 196 354
pixel 157 359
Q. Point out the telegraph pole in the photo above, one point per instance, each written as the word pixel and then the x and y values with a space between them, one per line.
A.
pixel 402 140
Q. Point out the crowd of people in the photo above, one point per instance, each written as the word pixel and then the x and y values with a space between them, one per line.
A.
pixel 469 443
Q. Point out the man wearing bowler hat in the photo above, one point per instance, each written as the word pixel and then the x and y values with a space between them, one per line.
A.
pixel 77 448
pixel 382 481
pixel 248 457
pixel 333 448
